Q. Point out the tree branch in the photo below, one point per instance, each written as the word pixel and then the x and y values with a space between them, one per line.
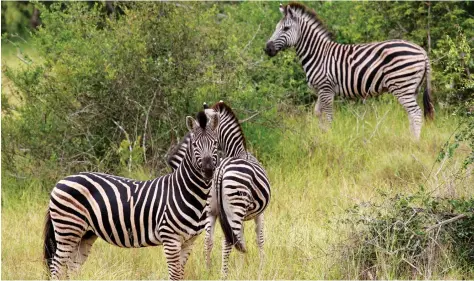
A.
pixel 247 119
pixel 458 217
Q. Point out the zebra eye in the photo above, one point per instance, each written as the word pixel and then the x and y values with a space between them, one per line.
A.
pixel 286 28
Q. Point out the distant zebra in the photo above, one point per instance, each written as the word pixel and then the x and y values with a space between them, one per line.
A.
pixel 168 210
pixel 240 191
pixel 362 70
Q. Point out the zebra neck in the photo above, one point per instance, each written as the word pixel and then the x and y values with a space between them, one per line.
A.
pixel 194 179
pixel 313 38
pixel 234 148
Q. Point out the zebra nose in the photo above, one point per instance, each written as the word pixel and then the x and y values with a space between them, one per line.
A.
pixel 207 168
pixel 270 49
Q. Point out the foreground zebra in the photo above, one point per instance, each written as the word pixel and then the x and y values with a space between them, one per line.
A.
pixel 168 210
pixel 362 70
pixel 240 187
pixel 240 191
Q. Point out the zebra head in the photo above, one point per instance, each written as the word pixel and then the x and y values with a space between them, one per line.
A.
pixel 203 143
pixel 287 32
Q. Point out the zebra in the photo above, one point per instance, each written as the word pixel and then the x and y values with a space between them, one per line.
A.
pixel 167 210
pixel 240 190
pixel 353 71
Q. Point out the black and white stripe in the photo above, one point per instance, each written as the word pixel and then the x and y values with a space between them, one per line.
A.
pixel 354 71
pixel 240 191
pixel 168 210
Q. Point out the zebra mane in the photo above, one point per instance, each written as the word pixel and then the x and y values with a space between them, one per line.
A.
pixel 175 149
pixel 304 10
pixel 220 107
pixel 202 119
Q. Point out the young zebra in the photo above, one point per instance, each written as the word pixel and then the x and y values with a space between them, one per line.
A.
pixel 240 190
pixel 362 70
pixel 168 210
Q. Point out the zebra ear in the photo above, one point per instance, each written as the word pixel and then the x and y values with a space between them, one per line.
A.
pixel 282 9
pixel 191 123
pixel 289 11
pixel 214 121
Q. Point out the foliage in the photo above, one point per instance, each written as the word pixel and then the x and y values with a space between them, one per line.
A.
pixel 16 16
pixel 456 81
pixel 403 238
pixel 100 73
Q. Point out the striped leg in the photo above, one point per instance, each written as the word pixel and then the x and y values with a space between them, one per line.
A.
pixel 325 100
pixel 408 101
pixel 317 108
pixel 260 238
pixel 186 251
pixel 209 239
pixel 82 252
pixel 68 233
pixel 173 258
pixel 226 249
pixel 62 258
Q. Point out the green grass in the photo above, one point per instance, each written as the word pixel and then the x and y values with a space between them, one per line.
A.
pixel 315 176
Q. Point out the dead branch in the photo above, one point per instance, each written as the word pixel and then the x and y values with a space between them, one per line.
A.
pixel 129 146
pixel 247 119
pixel 458 217
pixel 251 40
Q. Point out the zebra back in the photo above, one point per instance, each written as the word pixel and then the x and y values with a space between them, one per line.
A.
pixel 177 152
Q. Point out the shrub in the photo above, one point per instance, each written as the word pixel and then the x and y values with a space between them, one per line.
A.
pixel 410 237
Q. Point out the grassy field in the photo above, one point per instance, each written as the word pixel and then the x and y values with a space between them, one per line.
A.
pixel 315 176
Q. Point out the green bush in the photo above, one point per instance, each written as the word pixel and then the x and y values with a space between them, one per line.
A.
pixel 410 237
pixel 137 74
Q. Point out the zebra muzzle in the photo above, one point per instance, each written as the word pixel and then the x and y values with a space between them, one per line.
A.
pixel 207 168
pixel 270 49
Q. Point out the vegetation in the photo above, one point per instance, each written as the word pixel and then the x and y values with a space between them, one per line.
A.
pixel 104 89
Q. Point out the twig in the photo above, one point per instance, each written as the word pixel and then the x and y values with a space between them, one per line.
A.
pixel 414 267
pixel 458 217
pixel 247 119
pixel 251 40
pixel 147 113
pixel 23 60
pixel 378 124
pixel 129 146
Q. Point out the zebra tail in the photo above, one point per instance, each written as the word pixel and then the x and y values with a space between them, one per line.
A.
pixel 50 243
pixel 224 219
pixel 427 102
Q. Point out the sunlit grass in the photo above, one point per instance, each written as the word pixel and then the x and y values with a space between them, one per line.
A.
pixel 315 176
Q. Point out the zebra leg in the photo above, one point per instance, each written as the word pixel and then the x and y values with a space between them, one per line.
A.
pixel 260 238
pixel 67 237
pixel 66 247
pixel 317 108
pixel 83 250
pixel 173 258
pixel 326 99
pixel 226 249
pixel 209 239
pixel 408 101
pixel 186 251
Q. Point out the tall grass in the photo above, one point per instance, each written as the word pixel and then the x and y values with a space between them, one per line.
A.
pixel 315 176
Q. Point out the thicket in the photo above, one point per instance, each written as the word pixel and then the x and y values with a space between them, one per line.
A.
pixel 111 89
pixel 416 236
